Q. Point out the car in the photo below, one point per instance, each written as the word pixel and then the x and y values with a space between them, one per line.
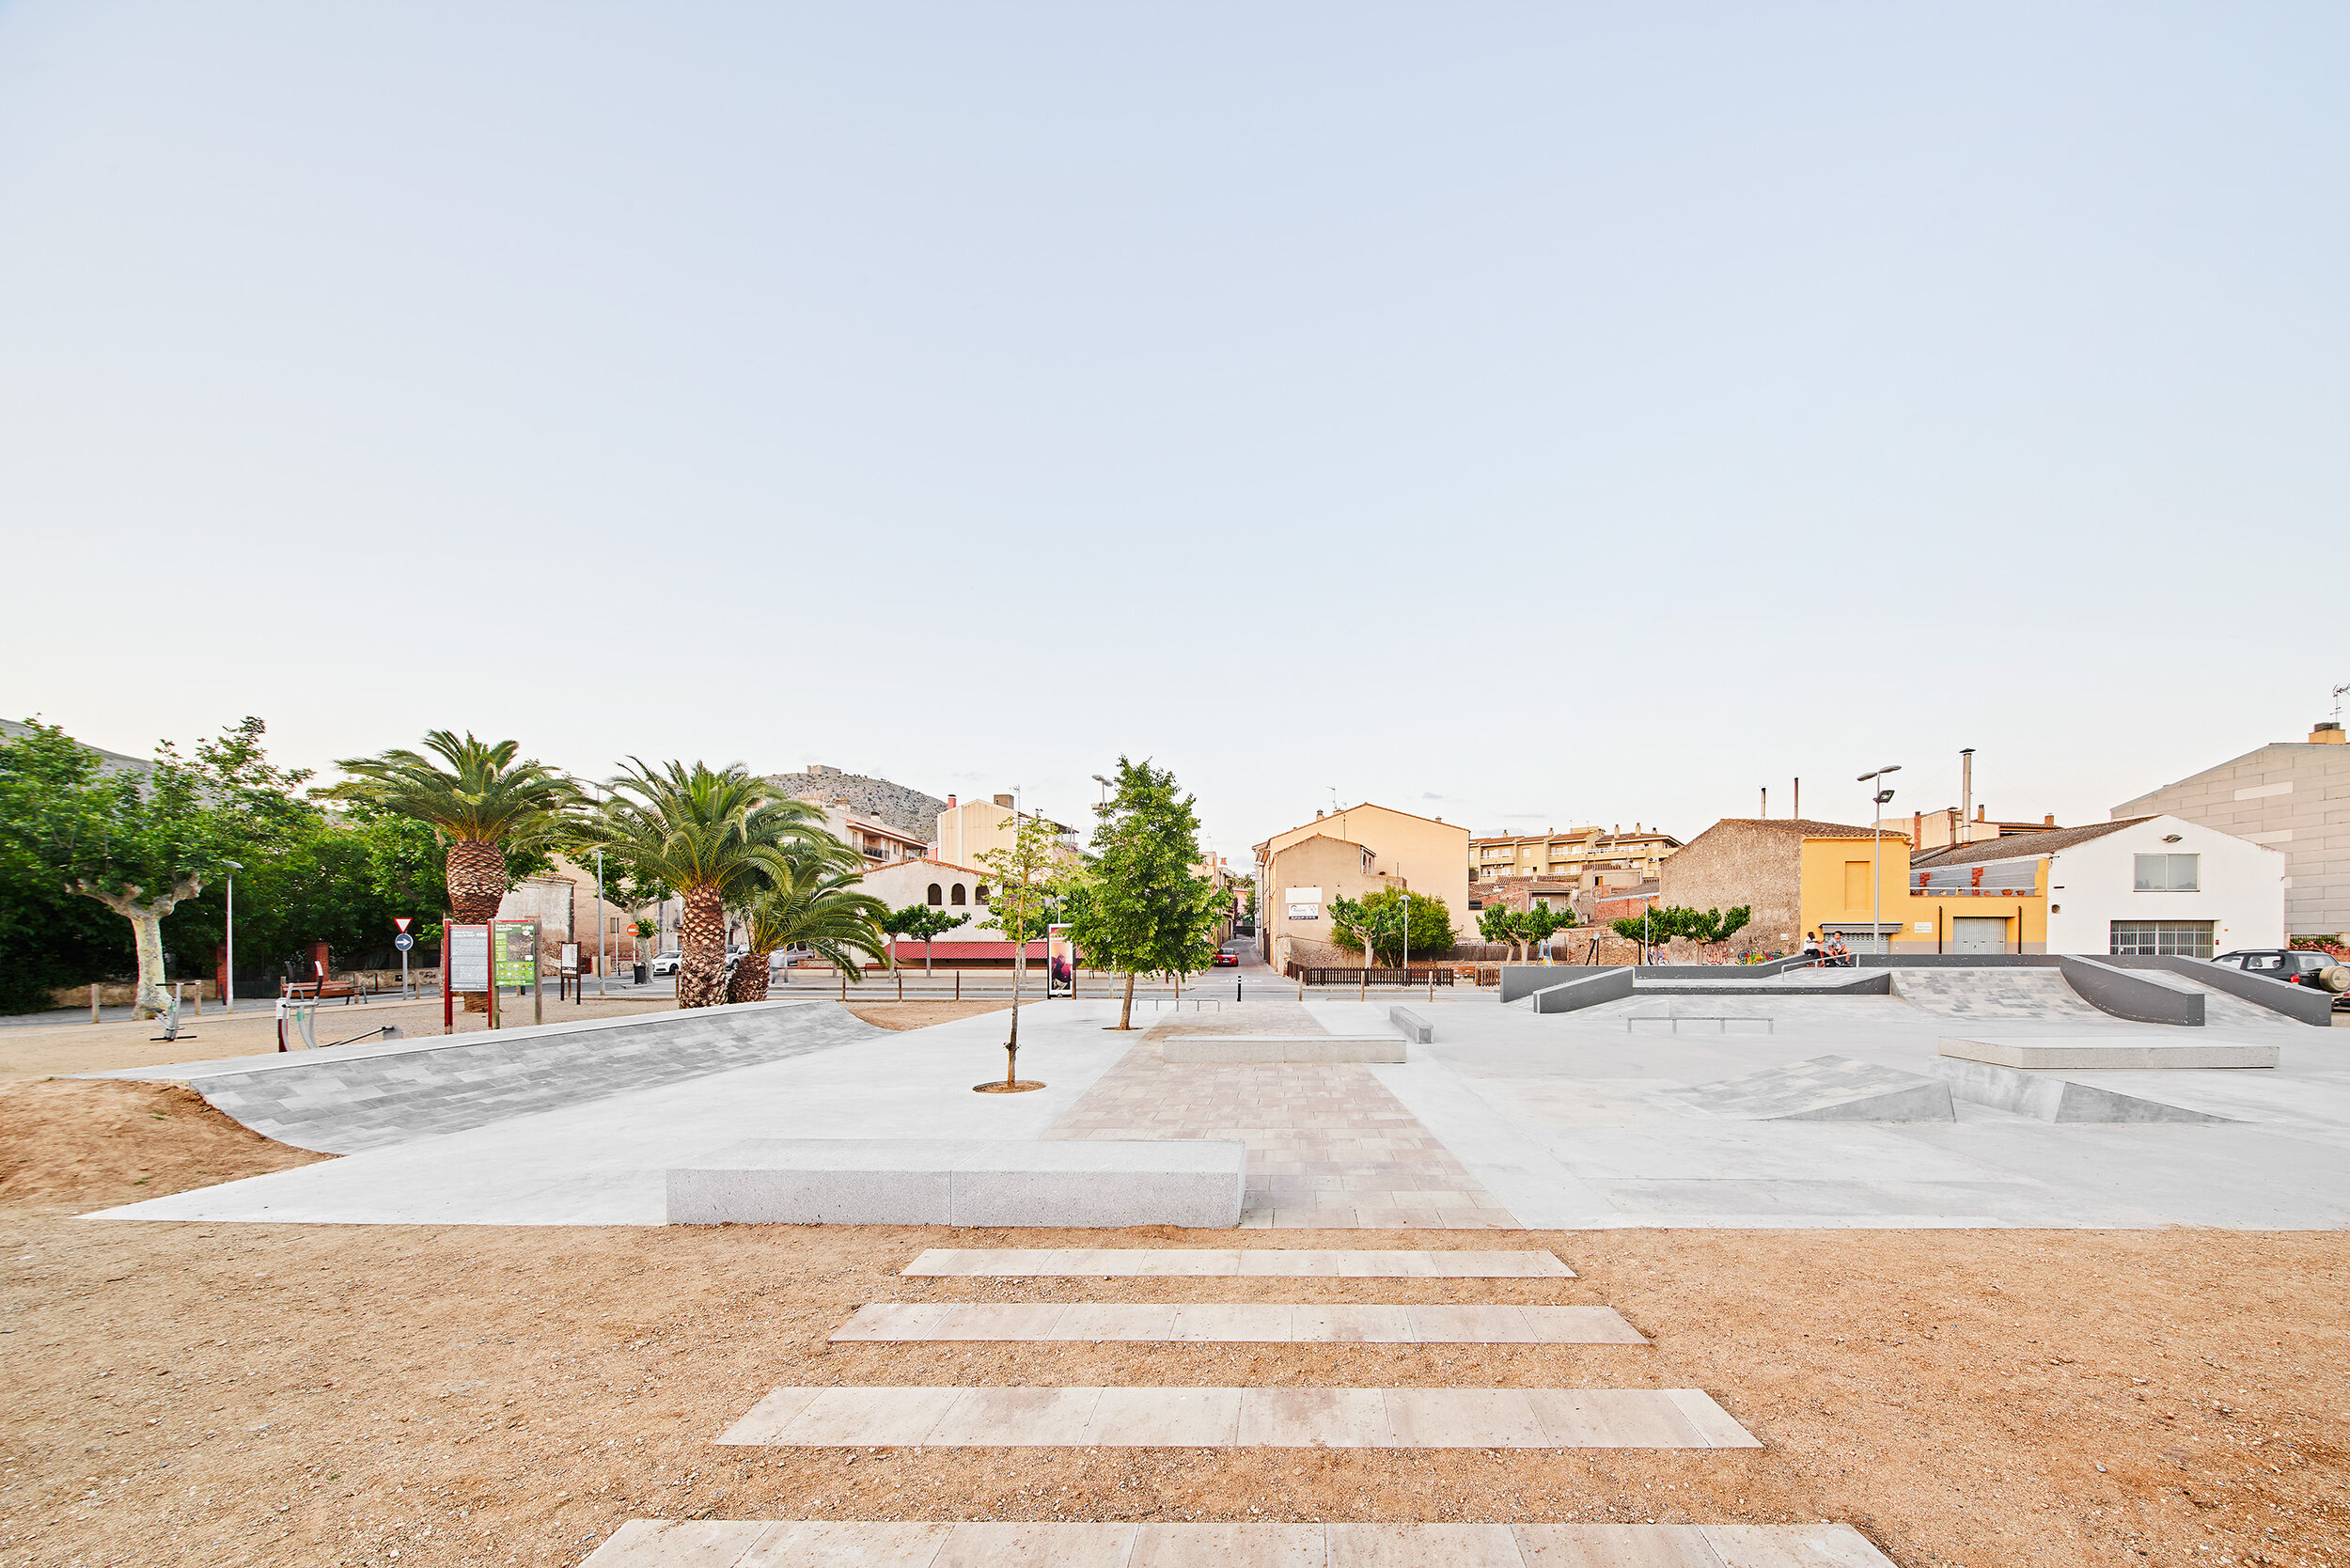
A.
pixel 1227 958
pixel 2293 966
pixel 665 963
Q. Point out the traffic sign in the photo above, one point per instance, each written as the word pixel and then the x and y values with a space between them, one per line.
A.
pixel 401 922
pixel 404 941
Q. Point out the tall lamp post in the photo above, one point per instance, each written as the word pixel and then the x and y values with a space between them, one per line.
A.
pixel 1878 799
pixel 229 1001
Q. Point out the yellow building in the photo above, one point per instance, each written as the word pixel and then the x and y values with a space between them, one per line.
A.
pixel 1587 858
pixel 2000 908
pixel 968 829
pixel 1349 854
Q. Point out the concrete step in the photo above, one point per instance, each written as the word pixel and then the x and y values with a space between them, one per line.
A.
pixel 1239 1417
pixel 762 1543
pixel 1239 1323
pixel 1176 1262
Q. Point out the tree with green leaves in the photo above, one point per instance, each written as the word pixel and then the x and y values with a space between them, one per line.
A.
pixel 1140 905
pixel 1027 874
pixel 1524 929
pixel 1387 918
pixel 1710 926
pixel 713 834
pixel 478 800
pixel 923 924
pixel 817 907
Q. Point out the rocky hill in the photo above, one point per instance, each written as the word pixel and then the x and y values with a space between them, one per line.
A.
pixel 907 810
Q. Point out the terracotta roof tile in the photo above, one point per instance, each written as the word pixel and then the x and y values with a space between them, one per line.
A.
pixel 2022 846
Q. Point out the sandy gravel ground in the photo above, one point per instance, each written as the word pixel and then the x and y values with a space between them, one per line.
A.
pixel 921 1015
pixel 216 1394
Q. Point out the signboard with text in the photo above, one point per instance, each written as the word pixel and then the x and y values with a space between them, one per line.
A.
pixel 517 952
pixel 466 950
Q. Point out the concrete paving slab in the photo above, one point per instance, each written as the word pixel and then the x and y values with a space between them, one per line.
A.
pixel 1177 1263
pixel 1195 1049
pixel 839 1544
pixel 1235 1323
pixel 1826 1088
pixel 1053 1417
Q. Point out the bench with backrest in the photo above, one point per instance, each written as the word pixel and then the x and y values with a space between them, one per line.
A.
pixel 317 985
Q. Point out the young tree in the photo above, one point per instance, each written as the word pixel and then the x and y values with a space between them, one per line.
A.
pixel 1660 924
pixel 1027 879
pixel 1382 918
pixel 1709 926
pixel 713 836
pixel 1143 907
pixel 923 924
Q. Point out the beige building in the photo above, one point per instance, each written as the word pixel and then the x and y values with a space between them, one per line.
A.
pixel 876 839
pixel 2293 796
pixel 968 829
pixel 1349 854
pixel 1933 830
pixel 1589 859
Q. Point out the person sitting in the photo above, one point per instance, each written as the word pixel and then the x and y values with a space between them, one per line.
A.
pixel 1812 946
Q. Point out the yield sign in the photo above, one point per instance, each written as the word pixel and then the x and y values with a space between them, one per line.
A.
pixel 403 922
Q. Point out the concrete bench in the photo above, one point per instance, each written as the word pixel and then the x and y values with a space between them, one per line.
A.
pixel 1263 1049
pixel 1412 1026
pixel 962 1181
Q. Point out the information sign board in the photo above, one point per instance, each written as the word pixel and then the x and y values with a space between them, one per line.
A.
pixel 466 951
pixel 518 953
pixel 568 959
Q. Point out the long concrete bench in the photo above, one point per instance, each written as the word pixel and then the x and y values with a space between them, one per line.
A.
pixel 962 1181
pixel 1253 1049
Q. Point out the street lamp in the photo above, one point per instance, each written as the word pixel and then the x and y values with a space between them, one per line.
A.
pixel 1103 809
pixel 1876 853
pixel 229 1000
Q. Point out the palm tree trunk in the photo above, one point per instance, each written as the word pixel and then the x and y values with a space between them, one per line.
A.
pixel 701 947
pixel 476 880
pixel 750 979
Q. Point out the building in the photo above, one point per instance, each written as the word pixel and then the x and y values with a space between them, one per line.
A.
pixel 960 890
pixel 968 829
pixel 1350 854
pixel 2144 884
pixel 2294 796
pixel 1792 873
pixel 1591 859
pixel 876 839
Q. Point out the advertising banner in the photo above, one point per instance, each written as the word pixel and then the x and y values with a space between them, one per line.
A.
pixel 518 953
pixel 1061 963
pixel 466 951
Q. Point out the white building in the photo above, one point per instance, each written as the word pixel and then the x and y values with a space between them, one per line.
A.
pixel 2150 885
pixel 943 886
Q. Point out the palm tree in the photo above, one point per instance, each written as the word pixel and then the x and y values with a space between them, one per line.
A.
pixel 713 836
pixel 481 802
pixel 817 908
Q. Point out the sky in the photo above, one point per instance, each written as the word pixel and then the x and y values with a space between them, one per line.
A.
pixel 1528 416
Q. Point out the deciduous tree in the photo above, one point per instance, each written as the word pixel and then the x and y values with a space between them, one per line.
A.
pixel 1026 876
pixel 1144 908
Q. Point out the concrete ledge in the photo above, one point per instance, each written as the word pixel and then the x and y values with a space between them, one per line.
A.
pixel 1412 1026
pixel 1570 996
pixel 1522 980
pixel 2301 1003
pixel 2052 1099
pixel 1257 1049
pixel 2043 1052
pixel 2147 998
pixel 962 1181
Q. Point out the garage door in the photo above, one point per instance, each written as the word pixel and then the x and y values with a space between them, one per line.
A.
pixel 1973 934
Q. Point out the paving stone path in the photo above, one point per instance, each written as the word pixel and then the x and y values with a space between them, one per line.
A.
pixel 1190 1416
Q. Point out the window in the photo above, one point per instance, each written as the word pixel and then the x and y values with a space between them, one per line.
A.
pixel 957 896
pixel 935 899
pixel 2170 873
pixel 980 896
pixel 2185 938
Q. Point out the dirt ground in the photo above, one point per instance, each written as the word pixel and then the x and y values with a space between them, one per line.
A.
pixel 234 1394
pixel 921 1015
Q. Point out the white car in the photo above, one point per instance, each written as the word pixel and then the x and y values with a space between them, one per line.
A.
pixel 665 963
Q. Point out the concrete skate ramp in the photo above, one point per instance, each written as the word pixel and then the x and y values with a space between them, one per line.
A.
pixel 341 1104
pixel 2053 1099
pixel 1826 1088
pixel 2022 996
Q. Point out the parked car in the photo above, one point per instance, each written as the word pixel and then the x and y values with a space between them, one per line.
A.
pixel 665 963
pixel 2294 966
pixel 1227 958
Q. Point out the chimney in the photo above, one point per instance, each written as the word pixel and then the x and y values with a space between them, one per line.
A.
pixel 1979 811
pixel 1317 813
pixel 2328 733
pixel 950 803
pixel 1966 788
pixel 2048 821
pixel 1004 801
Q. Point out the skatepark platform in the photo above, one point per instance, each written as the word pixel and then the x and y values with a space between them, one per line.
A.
pixel 2108 1052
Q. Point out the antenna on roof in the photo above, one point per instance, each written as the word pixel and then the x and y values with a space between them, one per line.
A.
pixel 1334 800
pixel 2337 691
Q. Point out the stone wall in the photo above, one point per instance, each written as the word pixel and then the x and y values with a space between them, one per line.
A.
pixel 1735 863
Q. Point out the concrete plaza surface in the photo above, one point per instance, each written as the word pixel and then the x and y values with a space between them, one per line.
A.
pixel 1592 1119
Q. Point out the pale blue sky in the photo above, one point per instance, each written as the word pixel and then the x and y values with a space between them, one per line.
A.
pixel 1525 415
